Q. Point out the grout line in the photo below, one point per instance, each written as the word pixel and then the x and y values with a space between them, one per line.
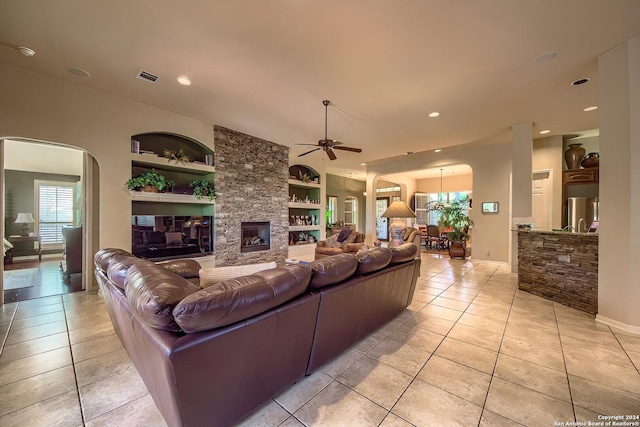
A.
pixel 564 362
pixel 73 362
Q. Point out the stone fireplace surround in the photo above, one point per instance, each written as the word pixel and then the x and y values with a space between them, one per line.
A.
pixel 251 186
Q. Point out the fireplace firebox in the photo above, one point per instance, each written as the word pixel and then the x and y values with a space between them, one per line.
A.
pixel 256 236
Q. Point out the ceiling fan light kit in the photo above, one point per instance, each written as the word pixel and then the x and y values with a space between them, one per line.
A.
pixel 326 144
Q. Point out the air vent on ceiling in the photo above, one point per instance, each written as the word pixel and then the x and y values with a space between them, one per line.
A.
pixel 145 75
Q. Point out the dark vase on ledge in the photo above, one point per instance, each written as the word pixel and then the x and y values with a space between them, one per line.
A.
pixel 574 155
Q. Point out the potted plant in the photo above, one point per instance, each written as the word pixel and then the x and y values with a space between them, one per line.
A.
pixel 454 219
pixel 202 187
pixel 150 181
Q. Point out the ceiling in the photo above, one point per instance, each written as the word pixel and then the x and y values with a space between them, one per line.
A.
pixel 263 68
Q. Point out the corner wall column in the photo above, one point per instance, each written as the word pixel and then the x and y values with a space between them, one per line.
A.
pixel 618 285
pixel 521 170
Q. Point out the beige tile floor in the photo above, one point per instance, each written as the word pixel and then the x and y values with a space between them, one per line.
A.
pixel 471 350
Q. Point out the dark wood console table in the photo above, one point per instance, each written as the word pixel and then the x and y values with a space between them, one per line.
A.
pixel 21 245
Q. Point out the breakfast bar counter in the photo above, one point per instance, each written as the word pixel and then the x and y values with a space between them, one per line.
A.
pixel 560 266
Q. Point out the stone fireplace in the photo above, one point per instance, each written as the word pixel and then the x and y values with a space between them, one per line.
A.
pixel 256 236
pixel 251 187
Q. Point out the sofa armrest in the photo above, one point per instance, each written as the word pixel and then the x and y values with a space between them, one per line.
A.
pixel 321 243
pixel 352 247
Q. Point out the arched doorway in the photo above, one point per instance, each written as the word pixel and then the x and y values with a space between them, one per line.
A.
pixel 51 186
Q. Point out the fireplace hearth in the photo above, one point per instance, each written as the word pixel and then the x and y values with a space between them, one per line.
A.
pixel 256 236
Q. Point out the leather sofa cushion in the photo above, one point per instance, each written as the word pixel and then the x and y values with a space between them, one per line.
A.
pixel 373 260
pixel 153 292
pixel 102 258
pixel 211 276
pixel 330 270
pixel 329 250
pixel 403 253
pixel 240 298
pixel 119 265
pixel 186 268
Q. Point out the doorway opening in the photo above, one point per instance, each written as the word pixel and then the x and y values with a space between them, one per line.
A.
pixel 47 185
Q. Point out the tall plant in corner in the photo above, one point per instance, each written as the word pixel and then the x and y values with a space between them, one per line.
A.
pixel 453 218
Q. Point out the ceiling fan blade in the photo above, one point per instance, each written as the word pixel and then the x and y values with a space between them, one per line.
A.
pixel 310 145
pixel 304 154
pixel 330 154
pixel 329 142
pixel 355 150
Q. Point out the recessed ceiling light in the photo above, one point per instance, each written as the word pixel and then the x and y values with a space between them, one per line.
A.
pixel 437 150
pixel 545 131
pixel 595 107
pixel 78 72
pixel 184 80
pixel 580 81
pixel 26 51
pixel 434 114
pixel 363 164
pixel 545 57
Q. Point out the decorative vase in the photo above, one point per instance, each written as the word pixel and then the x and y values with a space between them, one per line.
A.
pixel 591 160
pixel 457 250
pixel 574 155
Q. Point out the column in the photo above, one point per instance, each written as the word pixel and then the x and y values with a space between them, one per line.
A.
pixel 619 250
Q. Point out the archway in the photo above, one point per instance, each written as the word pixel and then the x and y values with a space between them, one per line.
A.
pixel 53 184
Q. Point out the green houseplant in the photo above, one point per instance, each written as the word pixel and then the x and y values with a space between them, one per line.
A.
pixel 202 187
pixel 453 217
pixel 150 181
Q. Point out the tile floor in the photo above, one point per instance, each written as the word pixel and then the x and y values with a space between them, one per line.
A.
pixel 471 350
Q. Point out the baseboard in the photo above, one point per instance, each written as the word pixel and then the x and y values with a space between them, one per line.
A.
pixel 610 322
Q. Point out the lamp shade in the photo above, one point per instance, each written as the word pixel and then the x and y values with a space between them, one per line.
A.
pixel 398 209
pixel 25 218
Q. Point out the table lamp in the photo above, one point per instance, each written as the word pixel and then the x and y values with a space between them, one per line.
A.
pixel 25 219
pixel 397 210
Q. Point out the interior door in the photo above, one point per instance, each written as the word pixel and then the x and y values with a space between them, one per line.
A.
pixel 382 224
pixel 541 194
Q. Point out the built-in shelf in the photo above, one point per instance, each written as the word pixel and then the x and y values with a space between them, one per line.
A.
pixel 142 196
pixel 302 184
pixel 163 163
pixel 303 227
pixel 298 205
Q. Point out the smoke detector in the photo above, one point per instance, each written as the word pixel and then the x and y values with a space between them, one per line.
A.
pixel 145 75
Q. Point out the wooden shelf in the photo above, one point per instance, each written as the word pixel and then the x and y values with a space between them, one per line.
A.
pixel 304 227
pixel 304 205
pixel 141 196
pixel 302 184
pixel 170 165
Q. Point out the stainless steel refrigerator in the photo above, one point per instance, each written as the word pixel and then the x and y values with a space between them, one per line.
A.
pixel 585 208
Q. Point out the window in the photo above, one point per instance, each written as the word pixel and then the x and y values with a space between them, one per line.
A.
pixel 351 211
pixel 332 210
pixel 54 207
pixel 423 201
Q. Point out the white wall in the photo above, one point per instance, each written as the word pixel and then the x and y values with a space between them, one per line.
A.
pixel 42 158
pixel 35 106
pixel 491 166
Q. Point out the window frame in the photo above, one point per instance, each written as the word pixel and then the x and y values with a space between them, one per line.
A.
pixel 38 183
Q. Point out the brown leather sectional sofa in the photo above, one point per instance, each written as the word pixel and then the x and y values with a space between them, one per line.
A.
pixel 210 356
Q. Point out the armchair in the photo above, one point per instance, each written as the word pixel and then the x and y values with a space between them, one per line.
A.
pixel 352 244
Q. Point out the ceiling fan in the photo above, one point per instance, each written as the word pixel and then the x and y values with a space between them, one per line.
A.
pixel 326 144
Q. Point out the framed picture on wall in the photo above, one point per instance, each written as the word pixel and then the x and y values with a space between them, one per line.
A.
pixel 490 207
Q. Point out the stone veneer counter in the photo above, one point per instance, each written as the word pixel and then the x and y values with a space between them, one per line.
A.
pixel 560 266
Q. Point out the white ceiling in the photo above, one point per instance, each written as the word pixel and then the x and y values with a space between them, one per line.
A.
pixel 264 67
